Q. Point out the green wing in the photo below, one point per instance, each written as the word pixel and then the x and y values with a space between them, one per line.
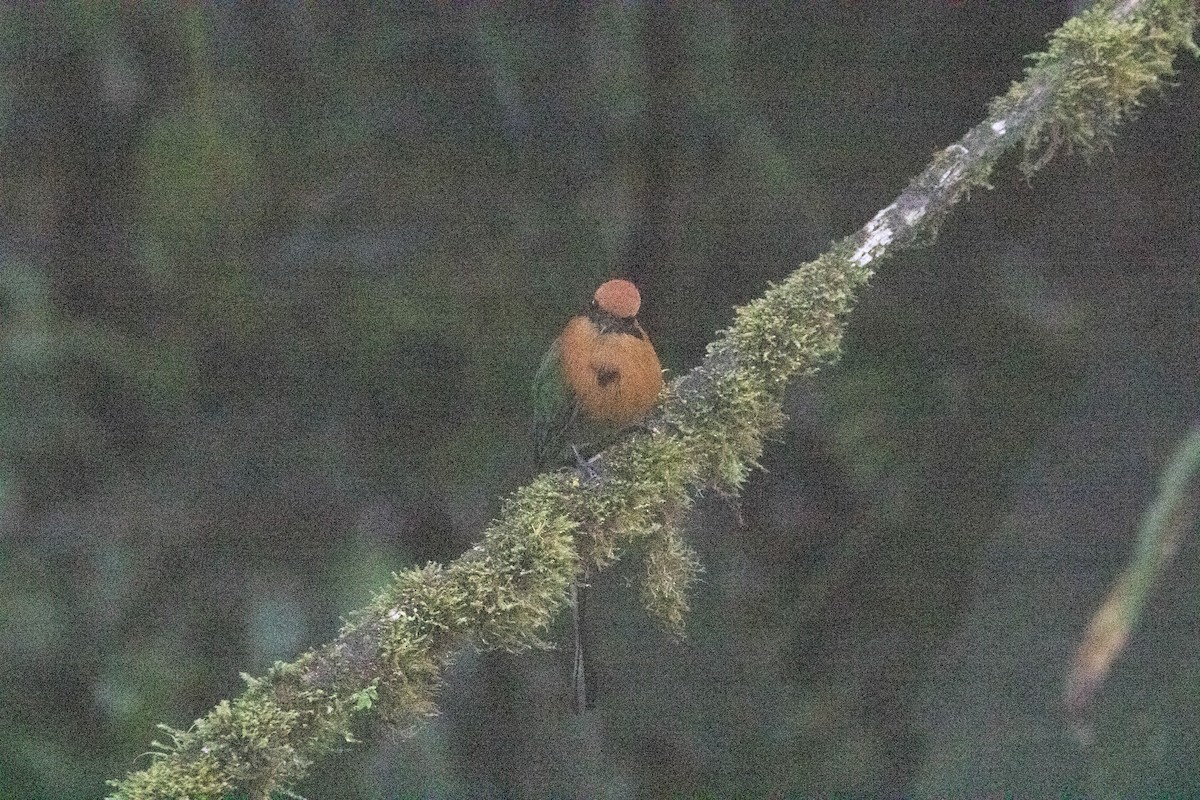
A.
pixel 553 409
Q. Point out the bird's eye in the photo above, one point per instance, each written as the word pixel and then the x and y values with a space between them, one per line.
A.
pixel 593 305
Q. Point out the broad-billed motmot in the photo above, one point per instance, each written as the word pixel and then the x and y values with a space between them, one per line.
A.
pixel 599 376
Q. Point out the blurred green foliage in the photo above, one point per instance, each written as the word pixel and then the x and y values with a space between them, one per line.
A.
pixel 274 283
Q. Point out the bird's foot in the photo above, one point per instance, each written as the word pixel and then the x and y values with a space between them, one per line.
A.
pixel 584 465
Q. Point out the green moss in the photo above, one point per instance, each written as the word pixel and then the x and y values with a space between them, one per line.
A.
pixel 197 779
pixel 1101 68
pixel 792 330
pixel 246 743
pixel 796 326
pixel 671 569
pixel 641 476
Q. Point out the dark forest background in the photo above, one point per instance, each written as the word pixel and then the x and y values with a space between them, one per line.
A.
pixel 274 281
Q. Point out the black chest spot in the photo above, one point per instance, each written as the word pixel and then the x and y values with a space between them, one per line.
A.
pixel 606 377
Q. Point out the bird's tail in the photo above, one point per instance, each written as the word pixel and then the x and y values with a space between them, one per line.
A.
pixel 579 666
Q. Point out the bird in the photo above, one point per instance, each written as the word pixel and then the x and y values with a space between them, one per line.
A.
pixel 598 378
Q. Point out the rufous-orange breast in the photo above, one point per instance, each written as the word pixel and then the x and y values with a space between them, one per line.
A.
pixel 615 375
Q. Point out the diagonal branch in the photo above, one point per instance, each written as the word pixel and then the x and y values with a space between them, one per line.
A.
pixel 387 660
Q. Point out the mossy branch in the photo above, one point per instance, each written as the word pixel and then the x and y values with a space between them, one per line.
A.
pixel 386 661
